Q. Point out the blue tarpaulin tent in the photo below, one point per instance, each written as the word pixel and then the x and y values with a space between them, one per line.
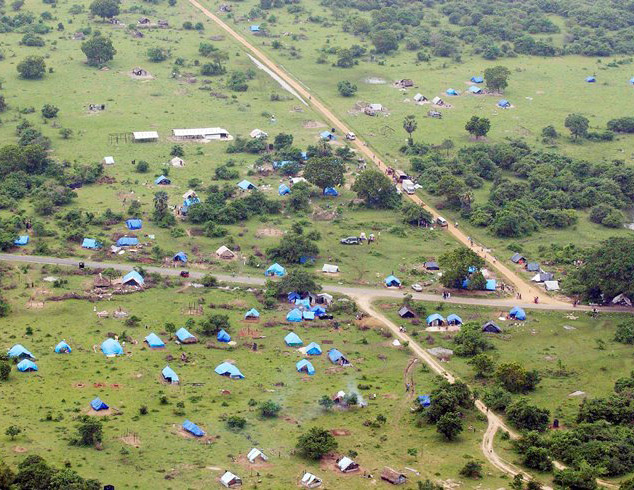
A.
pixel 337 357
pixel 275 270
pixel 477 79
pixel 305 366
pixel 313 349
pixel 504 104
pixel 127 241
pixel 282 164
pixel 245 185
pixel 192 428
pixel 517 313
pixel 154 341
pixel 169 375
pixel 424 400
pixel 330 191
pixel 318 310
pixel 18 351
pixel 454 319
pixel 133 278
pixel 308 315
pixel 632 80
pixel 97 405
pixel 252 313
pixel 180 257
pixel 162 180
pixel 303 302
pixel 475 90
pixel 27 365
pixel 327 135
pixel 226 369
pixel 111 347
pixel 184 336
pixel 293 340
pixel 21 240
pixel 294 316
pixel 305 153
pixel 391 281
pixel 90 243
pixel 451 91
pixel 292 296
pixel 254 28
pixel 223 336
pixel 436 318
pixel 490 285
pixel 62 348
pixel 283 189
pixel 591 79
pixel 134 224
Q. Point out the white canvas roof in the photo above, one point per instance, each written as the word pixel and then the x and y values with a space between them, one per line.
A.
pixel 256 453
pixel 229 478
pixel 192 132
pixel 344 463
pixel 257 133
pixel 189 193
pixel 311 481
pixel 297 180
pixel 436 100
pixel 552 285
pixel 224 252
pixel 108 160
pixel 418 97
pixel 621 299
pixel 330 268
pixel 376 107
pixel 145 135
pixel 177 162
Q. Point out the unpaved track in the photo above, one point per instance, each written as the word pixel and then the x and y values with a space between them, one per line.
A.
pixel 527 290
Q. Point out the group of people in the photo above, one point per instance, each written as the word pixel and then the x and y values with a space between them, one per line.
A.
pixel 371 238
pixel 446 295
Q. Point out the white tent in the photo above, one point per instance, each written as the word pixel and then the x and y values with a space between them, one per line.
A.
pixel 297 180
pixel 375 107
pixel 310 481
pixel 224 253
pixel 420 98
pixel 255 454
pixel 190 193
pixel 437 101
pixel 108 160
pixel 552 285
pixel 345 464
pixel 230 480
pixel 145 135
pixel 177 162
pixel 621 299
pixel 258 133
pixel 330 268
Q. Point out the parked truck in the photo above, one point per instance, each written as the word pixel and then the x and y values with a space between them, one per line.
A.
pixel 408 186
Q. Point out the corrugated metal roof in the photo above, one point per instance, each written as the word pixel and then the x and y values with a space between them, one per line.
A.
pixel 198 131
pixel 145 135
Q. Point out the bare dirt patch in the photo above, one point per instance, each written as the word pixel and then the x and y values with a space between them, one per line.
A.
pixel 340 432
pixel 206 439
pixel 103 413
pixel 258 463
pixel 273 232
pixel 19 449
pixel 374 81
pixel 131 439
pixel 79 385
pixel 313 125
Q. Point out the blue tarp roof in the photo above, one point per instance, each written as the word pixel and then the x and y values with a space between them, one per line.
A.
pixel 305 365
pixel 254 28
pixel 306 258
pixel 451 91
pixel 90 243
pixel 63 348
pixel 294 315
pixel 283 189
pixel 27 365
pixel 491 285
pixel 292 296
pixel 282 163
pixel 127 241
pixel 110 347
pixel 97 404
pixel 532 266
pixel 424 400
pixel 133 276
pixel 305 153
pixel 227 369
pixel 275 270
pixel 477 79
pixel 161 179
pixel 21 240
pixel 223 336
pixel 308 315
pixel 434 317
pixel 192 428
pixel 475 90
pixel 330 191
pixel 182 334
pixel 293 340
pixel 518 313
pixel 252 313
pixel 190 201
pixel 327 135
pixel 318 310
pixel 454 319
pixel 503 103
pixel 180 257
pixel 591 79
pixel 134 224
pixel 392 281
pixel 154 340
pixel 632 80
pixel 245 185
pixel 18 351
pixel 169 375
pixel 303 302
pixel 334 355
pixel 313 349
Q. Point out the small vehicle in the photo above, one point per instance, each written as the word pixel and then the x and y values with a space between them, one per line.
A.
pixel 184 273
pixel 408 186
pixel 442 221
pixel 351 136
pixel 351 240
pixel 417 287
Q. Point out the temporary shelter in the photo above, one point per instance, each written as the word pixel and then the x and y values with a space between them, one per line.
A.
pixel 451 91
pixel 154 341
pixel 193 429
pixel 308 315
pixel 591 79
pixel 230 480
pixel 224 253
pixel 162 180
pixel 134 224
pixel 62 348
pixel 184 337
pixel 245 185
pixel 543 277
pixel 518 258
pixel 310 481
pixel 275 270
pixel 490 285
pixel 337 357
pixel 294 315
pixel 229 370
pixel 169 375
pixel 532 267
pixel 283 189
pixel 420 98
pixel 252 313
pixel 180 257
pixel 392 281
pixel 331 192
pixel 432 266
pixel 111 348
pixel 551 285
pixel 424 400
pixel 201 134
pixel 313 349
pixel 255 454
pixel 127 241
pixel 254 28
pixel 133 278
pixel 346 465
pixel 293 340
pixel 393 476
pixel 454 319
pixel 302 302
pixel 223 336
pixel 108 160
pixel 21 240
pixel 258 133
pixel 621 299
pixel 477 79
pixel 517 313
pixel 90 243
pixel 406 312
pixel 504 104
pixel 98 405
pixel 327 135
pixel 305 366
pixel 330 268
pixel 26 365
pixel 491 327
pixel 18 351
pixel 435 319
pixel 475 90
pixel 144 136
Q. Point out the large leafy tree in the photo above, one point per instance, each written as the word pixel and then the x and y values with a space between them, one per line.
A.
pixel 416 215
pixel 478 126
pixel 497 78
pixel 456 265
pixel 410 125
pixel 106 9
pixel 98 50
pixel 32 67
pixel 324 172
pixel 376 190
pixel 299 280
pixel 578 125
pixel 316 443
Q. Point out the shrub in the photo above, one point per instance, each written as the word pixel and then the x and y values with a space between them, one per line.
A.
pixel 472 469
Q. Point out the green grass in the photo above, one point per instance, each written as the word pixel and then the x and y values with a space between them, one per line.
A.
pixel 270 373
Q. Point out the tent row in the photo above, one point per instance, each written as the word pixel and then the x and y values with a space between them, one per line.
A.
pixel 436 319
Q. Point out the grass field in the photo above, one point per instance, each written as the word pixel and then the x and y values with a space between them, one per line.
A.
pixel 45 403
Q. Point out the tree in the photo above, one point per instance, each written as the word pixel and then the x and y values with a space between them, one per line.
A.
pixel 527 417
pixel 578 125
pixel 410 125
pixel 497 78
pixel 549 133
pixel 584 478
pixel 316 443
pixel 32 67
pixel 90 431
pixel 156 55
pixel 142 166
pixel 269 409
pixel 416 215
pixel 106 9
pixel 5 370
pixel 326 402
pixel 98 50
pixel 7 476
pixel 215 323
pixel 514 378
pixel 49 111
pixel 346 88
pixel 518 482
pixel 384 41
pixel 177 151
pixel 292 248
pixel 160 205
pixel 3 104
pixel 324 172
pixel 472 469
pixel 483 365
pixel 478 126
pixel 624 332
pixel 237 82
pixel 13 431
pixel 537 458
pixel 282 140
pixel 376 190
pixel 300 281
pixel 33 472
pixel 457 264
pixel 449 425
pixel 236 422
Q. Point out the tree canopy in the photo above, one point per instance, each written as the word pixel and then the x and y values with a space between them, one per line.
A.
pixel 324 172
pixel 98 50
pixel 376 190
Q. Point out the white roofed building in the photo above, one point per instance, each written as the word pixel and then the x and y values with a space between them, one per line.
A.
pixel 201 134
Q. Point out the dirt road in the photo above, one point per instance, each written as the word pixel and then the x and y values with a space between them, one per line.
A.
pixel 527 290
